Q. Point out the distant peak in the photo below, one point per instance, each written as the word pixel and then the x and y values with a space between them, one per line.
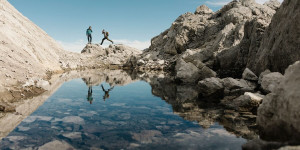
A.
pixel 203 9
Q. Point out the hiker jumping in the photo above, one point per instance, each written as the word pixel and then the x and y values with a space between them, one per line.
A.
pixel 89 32
pixel 106 34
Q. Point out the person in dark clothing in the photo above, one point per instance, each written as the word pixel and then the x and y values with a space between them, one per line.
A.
pixel 90 95
pixel 89 32
pixel 106 92
pixel 106 34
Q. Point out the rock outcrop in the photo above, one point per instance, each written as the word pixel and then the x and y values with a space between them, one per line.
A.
pixel 281 42
pixel 26 50
pixel 273 47
pixel 94 54
pixel 207 42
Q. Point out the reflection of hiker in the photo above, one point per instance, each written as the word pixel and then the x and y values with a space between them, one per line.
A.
pixel 90 95
pixel 106 92
pixel 90 92
pixel 89 32
pixel 106 34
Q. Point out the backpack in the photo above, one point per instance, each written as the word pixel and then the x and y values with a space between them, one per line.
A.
pixel 107 34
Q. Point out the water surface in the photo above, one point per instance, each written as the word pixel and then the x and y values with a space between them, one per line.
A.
pixel 128 117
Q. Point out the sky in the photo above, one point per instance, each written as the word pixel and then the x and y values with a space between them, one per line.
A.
pixel 130 22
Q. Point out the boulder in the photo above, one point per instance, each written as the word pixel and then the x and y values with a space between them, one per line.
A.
pixel 211 86
pixel 237 87
pixel 270 81
pixel 249 75
pixel 262 74
pixel 192 72
pixel 255 96
pixel 279 115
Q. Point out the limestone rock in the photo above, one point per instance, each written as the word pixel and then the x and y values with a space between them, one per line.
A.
pixel 203 10
pixel 93 49
pixel 255 96
pixel 280 43
pixel 192 72
pixel 249 75
pixel 279 115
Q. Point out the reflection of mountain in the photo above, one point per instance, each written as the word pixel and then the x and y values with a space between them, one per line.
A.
pixel 187 104
pixel 24 108
pixel 183 98
pixel 113 77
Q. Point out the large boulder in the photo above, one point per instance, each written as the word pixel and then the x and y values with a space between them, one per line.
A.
pixel 193 71
pixel 270 81
pixel 279 115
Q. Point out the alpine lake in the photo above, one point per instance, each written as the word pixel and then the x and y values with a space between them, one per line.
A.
pixel 114 109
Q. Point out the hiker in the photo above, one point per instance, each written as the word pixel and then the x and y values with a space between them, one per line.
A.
pixel 106 34
pixel 89 32
pixel 106 92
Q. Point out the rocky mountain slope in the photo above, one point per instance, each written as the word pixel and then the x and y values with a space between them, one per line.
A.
pixel 26 50
pixel 29 54
pixel 211 43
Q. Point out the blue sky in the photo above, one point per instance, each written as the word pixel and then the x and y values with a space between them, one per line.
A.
pixel 131 22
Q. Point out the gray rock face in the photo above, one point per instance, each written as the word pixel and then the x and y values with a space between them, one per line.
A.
pixel 270 81
pixel 279 115
pixel 281 42
pixel 207 34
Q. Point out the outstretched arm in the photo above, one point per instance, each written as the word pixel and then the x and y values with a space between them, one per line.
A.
pixel 102 88
pixel 111 88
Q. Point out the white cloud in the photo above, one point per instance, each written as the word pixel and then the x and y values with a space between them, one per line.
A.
pixel 217 3
pixel 224 2
pixel 263 1
pixel 77 46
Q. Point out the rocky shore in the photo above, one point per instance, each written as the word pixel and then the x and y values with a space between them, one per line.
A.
pixel 238 66
pixel 242 58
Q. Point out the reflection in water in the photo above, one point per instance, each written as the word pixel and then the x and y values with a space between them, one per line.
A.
pixel 134 118
pixel 106 92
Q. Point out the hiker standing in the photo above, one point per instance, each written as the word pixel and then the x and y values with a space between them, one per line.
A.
pixel 106 34
pixel 89 32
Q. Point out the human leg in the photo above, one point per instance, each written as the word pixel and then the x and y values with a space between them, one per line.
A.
pixel 102 41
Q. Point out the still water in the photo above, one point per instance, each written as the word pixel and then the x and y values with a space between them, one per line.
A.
pixel 83 116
